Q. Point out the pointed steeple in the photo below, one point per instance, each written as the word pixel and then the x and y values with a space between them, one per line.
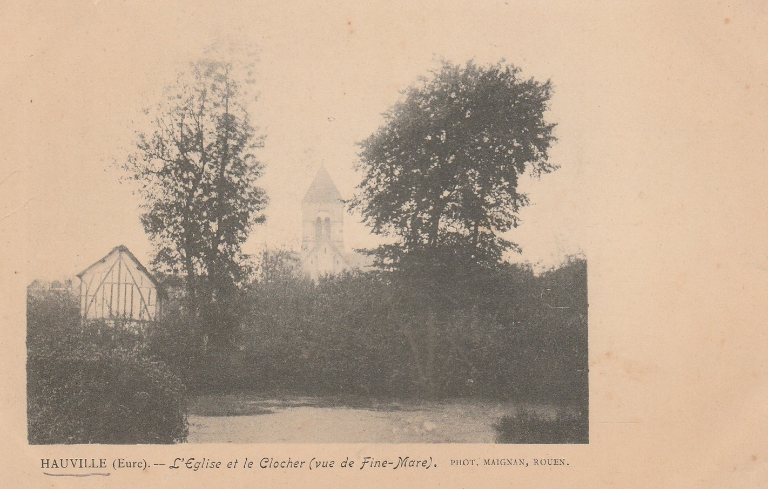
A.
pixel 322 189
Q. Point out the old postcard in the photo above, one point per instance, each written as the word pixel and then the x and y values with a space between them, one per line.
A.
pixel 444 244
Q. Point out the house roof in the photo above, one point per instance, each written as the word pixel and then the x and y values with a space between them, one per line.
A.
pixel 322 189
pixel 123 249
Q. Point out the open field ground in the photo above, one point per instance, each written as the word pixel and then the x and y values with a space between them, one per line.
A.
pixel 248 418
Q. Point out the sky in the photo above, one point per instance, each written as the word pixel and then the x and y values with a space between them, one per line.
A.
pixel 325 72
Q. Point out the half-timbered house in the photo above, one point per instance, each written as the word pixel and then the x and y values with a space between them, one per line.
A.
pixel 119 288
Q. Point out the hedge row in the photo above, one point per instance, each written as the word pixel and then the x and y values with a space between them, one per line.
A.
pixel 507 334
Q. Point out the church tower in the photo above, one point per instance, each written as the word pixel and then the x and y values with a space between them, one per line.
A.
pixel 322 233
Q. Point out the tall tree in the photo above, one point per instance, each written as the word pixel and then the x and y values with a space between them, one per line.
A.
pixel 441 174
pixel 198 173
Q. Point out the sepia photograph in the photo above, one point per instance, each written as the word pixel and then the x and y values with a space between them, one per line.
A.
pixel 311 264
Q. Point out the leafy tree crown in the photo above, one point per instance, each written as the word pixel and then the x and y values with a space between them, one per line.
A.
pixel 441 174
pixel 197 175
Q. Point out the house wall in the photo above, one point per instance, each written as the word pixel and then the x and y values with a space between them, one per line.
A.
pixel 118 289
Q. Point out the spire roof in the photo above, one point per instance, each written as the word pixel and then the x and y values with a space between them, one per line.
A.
pixel 322 189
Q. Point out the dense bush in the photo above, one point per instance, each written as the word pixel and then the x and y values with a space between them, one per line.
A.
pixel 95 383
pixel 176 342
pixel 94 396
pixel 503 334
pixel 53 319
pixel 527 426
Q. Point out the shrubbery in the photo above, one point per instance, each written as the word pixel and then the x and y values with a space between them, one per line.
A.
pixel 527 426
pixel 95 384
pixel 92 396
pixel 503 334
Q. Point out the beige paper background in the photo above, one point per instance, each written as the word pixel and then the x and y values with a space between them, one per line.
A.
pixel 663 113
